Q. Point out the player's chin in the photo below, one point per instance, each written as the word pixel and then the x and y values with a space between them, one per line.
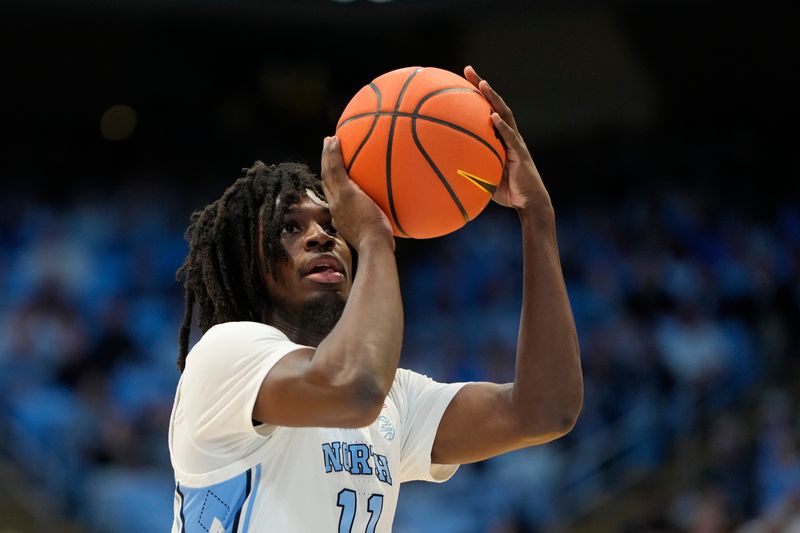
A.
pixel 321 311
pixel 330 292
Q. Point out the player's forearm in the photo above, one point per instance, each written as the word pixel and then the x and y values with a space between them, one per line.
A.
pixel 548 389
pixel 363 349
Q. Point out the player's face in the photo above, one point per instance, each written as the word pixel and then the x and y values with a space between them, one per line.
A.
pixel 318 264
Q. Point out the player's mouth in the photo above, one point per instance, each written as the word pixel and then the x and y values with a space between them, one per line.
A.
pixel 324 269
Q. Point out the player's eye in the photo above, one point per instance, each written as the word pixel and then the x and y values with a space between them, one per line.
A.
pixel 330 230
pixel 289 227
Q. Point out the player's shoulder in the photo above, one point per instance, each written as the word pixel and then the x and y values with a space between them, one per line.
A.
pixel 405 378
pixel 234 339
pixel 402 375
pixel 236 332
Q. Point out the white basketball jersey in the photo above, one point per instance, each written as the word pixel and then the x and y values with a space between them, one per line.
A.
pixel 233 477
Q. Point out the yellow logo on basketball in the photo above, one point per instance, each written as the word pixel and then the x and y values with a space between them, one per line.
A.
pixel 480 182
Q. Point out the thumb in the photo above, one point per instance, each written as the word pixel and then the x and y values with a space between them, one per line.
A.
pixel 333 171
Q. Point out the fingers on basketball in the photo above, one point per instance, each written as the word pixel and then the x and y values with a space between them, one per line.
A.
pixel 417 141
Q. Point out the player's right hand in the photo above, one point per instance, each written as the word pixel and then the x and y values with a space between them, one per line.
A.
pixel 355 215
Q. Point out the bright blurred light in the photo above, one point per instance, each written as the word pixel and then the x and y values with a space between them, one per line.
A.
pixel 118 122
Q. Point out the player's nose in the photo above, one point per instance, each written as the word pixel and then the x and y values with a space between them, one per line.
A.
pixel 317 237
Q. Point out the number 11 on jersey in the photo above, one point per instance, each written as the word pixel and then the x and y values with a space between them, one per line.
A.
pixel 348 502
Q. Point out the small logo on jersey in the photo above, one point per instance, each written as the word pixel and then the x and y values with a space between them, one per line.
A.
pixel 385 427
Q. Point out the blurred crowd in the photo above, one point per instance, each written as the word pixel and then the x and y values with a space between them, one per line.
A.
pixel 687 311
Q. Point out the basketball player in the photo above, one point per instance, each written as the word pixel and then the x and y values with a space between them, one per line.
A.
pixel 291 415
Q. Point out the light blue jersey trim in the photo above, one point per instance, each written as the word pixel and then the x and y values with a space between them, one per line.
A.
pixel 217 506
pixel 253 495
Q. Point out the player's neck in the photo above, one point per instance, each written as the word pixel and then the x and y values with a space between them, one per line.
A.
pixel 310 323
pixel 295 333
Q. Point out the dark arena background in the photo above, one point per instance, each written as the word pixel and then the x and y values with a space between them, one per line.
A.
pixel 666 133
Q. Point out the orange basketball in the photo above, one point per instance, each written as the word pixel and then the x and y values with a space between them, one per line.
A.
pixel 420 142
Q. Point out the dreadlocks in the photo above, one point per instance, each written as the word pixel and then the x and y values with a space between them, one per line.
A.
pixel 221 274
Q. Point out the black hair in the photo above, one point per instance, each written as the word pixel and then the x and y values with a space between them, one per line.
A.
pixel 222 273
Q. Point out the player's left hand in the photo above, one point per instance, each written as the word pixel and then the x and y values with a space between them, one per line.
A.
pixel 521 186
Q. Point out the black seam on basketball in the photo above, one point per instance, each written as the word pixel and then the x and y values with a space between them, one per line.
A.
pixel 430 119
pixel 437 171
pixel 433 93
pixel 389 152
pixel 368 114
pixel 371 128
pixel 445 90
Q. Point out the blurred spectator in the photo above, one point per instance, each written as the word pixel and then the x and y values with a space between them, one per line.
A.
pixel 685 311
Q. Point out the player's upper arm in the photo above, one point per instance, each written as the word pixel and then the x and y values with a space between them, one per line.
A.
pixel 482 421
pixel 295 393
pixel 240 371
